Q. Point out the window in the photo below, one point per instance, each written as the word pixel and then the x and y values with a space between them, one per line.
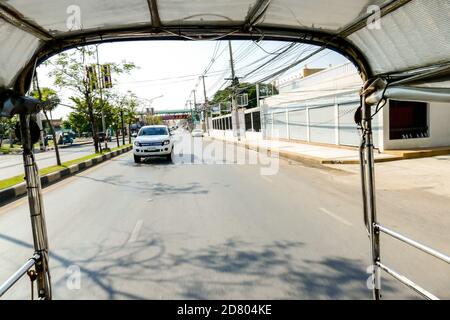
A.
pixel 248 122
pixel 257 121
pixel 408 120
pixel 154 131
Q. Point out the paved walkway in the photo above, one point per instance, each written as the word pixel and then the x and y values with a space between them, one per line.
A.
pixel 304 151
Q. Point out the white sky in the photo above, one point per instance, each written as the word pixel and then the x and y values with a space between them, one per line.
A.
pixel 183 61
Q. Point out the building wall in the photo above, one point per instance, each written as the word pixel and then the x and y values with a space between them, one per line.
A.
pixel 439 129
pixel 320 109
pixel 317 108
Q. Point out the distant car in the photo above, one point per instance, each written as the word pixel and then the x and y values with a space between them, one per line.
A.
pixel 197 133
pixel 134 134
pixel 65 138
pixel 49 137
pixel 153 141
pixel 102 137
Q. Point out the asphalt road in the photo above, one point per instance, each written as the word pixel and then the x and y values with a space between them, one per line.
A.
pixel 222 226
pixel 11 164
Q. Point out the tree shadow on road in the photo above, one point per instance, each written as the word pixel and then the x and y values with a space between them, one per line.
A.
pixel 157 189
pixel 234 269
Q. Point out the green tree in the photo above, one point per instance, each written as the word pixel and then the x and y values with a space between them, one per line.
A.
pixel 68 70
pixel 224 95
pixel 153 120
pixel 124 109
pixel 66 124
pixel 7 128
pixel 79 122
pixel 131 112
pixel 51 99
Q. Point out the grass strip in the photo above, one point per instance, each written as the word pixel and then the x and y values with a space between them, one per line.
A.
pixel 9 182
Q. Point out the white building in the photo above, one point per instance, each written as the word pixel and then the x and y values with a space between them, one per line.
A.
pixel 320 108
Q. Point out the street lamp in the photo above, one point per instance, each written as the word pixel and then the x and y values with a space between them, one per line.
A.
pixel 150 101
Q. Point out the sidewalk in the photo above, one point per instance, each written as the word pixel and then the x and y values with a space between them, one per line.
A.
pixel 309 152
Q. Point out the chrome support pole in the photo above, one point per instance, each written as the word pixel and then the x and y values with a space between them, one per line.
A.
pixel 18 274
pixel 368 180
pixel 424 293
pixel 37 215
pixel 439 255
pixel 363 183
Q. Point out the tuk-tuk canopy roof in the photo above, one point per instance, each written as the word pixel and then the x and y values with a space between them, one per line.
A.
pixel 410 34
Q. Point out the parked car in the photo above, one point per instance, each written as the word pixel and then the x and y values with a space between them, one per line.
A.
pixel 197 133
pixel 153 141
pixel 102 137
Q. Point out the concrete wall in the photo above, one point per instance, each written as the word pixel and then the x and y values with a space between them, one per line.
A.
pixel 439 130
pixel 228 135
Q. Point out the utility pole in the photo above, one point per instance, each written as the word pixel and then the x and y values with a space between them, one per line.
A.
pixel 101 95
pixel 261 113
pixel 234 84
pixel 123 126
pixel 195 108
pixel 257 95
pixel 206 106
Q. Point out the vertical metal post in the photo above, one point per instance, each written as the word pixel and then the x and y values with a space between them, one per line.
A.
pixel 368 180
pixel 288 130
pixel 235 84
pixel 308 128
pixel 101 84
pixel 37 215
pixel 206 112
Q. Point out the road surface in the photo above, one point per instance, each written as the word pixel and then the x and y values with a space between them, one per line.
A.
pixel 221 227
pixel 11 164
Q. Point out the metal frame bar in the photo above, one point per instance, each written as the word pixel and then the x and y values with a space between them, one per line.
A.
pixel 369 203
pixel 154 13
pixel 225 32
pixel 413 243
pixel 255 13
pixel 19 274
pixel 16 19
pixel 368 185
pixel 385 10
pixel 407 282
pixel 37 215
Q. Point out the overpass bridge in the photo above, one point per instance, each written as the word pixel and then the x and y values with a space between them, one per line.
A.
pixel 174 114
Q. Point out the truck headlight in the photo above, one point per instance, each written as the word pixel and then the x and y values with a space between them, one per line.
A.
pixel 165 143
pixel 137 144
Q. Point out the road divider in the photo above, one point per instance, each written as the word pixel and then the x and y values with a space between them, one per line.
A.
pixel 15 188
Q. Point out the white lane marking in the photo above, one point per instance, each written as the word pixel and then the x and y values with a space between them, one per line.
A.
pixel 267 179
pixel 331 214
pixel 135 234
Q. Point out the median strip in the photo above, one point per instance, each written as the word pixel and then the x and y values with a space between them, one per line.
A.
pixel 15 187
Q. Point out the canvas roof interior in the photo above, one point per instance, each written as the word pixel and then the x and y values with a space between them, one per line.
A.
pixel 411 34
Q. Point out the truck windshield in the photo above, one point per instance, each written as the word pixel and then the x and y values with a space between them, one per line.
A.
pixel 153 132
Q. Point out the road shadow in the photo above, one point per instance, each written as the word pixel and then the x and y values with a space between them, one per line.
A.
pixel 231 269
pixel 146 186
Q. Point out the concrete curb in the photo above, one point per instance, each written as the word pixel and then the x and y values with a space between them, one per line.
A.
pixel 424 153
pixel 13 193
